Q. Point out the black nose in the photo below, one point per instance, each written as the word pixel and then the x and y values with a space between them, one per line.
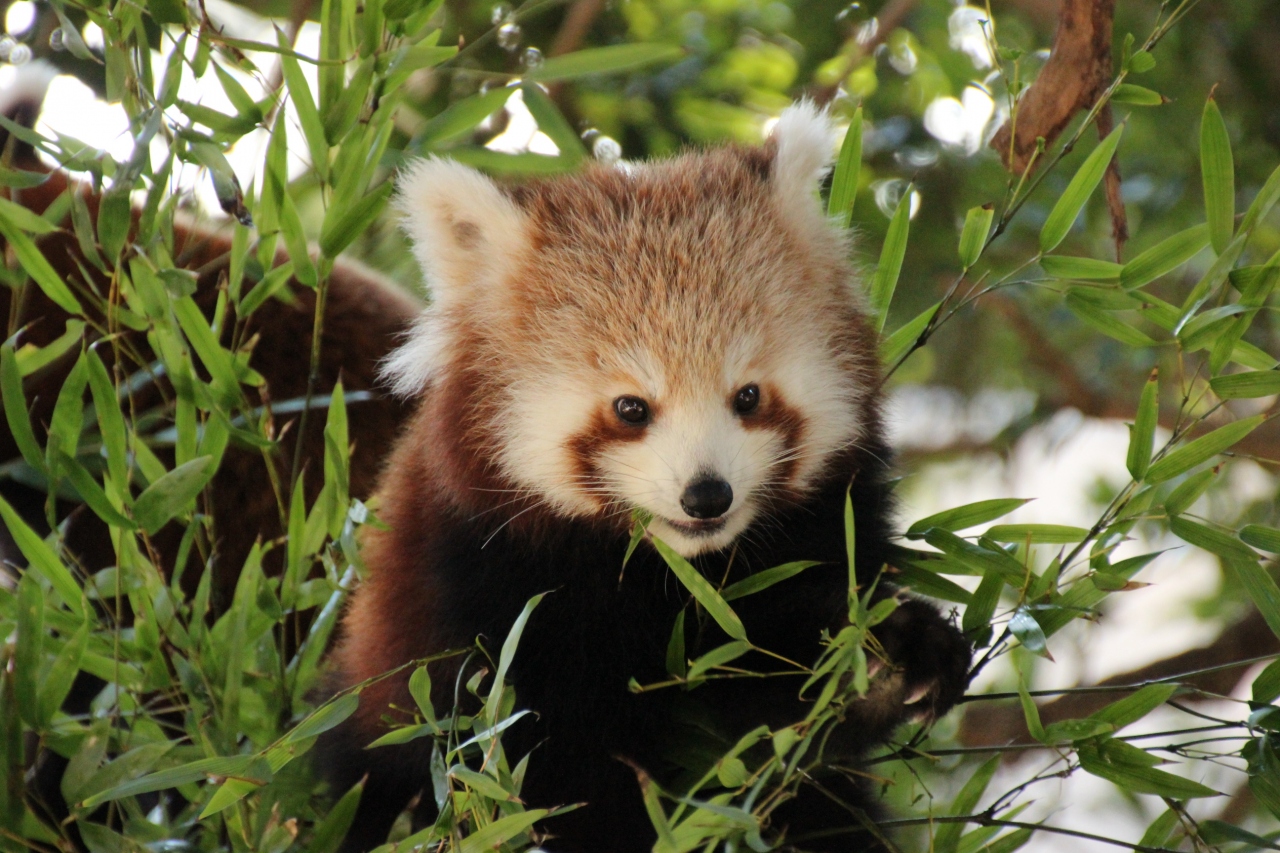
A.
pixel 707 497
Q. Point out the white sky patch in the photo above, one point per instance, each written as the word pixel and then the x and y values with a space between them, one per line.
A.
pixel 71 108
pixel 968 35
pixel 521 133
pixel 92 35
pixel 963 123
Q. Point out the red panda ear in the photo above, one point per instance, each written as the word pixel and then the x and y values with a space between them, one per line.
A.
pixel 468 235
pixel 806 142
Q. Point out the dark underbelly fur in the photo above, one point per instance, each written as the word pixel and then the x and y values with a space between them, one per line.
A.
pixel 592 634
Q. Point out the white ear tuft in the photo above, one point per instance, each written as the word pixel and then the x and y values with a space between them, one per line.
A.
pixel 806 142
pixel 469 236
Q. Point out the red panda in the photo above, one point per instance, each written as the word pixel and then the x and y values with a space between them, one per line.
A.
pixel 684 338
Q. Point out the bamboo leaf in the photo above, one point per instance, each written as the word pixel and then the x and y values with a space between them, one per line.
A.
pixel 552 122
pixel 1218 175
pixel 1215 541
pixel 1135 706
pixel 36 266
pixel 343 226
pixel 1082 269
pixel 977 223
pixel 947 837
pixel 1181 498
pixel 15 409
pixel 461 116
pixel 765 579
pixel 1262 589
pixel 1256 383
pixel 169 495
pixel 1262 202
pixel 844 181
pixel 900 342
pixel 964 517
pixel 1037 533
pixel 91 493
pixel 1139 96
pixel 304 103
pixel 42 559
pixel 1164 257
pixel 1142 780
pixel 506 657
pixel 1261 536
pixel 1193 453
pixel 1077 193
pixel 702 591
pixel 892 254
pixel 1106 323
pixel 1142 433
pixel 604 60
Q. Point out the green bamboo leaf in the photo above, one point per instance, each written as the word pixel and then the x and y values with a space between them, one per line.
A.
pixel 67 420
pixel 169 495
pixel 1160 829
pixel 1082 185
pixel 1106 323
pixel 91 493
pixel 228 794
pixel 498 163
pixel 765 579
pixel 500 831
pixel 245 105
pixel 404 734
pixel 36 266
pixel 345 110
pixel 1262 202
pixel 919 577
pixel 553 123
pixel 1266 687
pixel 1261 536
pixel 1082 269
pixel 1066 731
pixel 28 654
pixel 507 656
pixel 42 560
pixel 1193 453
pixel 1142 780
pixel 892 254
pixel 304 103
pixel 844 181
pixel 461 116
pixel 947 837
pixel 718 657
pixel 1028 631
pixel 1138 96
pixel 613 59
pixel 322 719
pixel 1262 589
pixel 1257 383
pixel 1188 491
pixel 27 220
pixel 1202 536
pixel 677 661
pixel 59 677
pixel 250 767
pixel 1058 534
pixel 15 408
pixel 900 342
pixel 977 223
pixel 1218 174
pixel 1221 832
pixel 1029 711
pixel 964 517
pixel 1142 433
pixel 703 591
pixel 1164 257
pixel 1135 706
pixel 982 606
pixel 110 423
pixel 980 560
pixel 342 226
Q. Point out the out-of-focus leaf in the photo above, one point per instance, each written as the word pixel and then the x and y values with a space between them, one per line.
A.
pixel 1082 185
pixel 1028 631
pixel 1260 536
pixel 304 103
pixel 885 280
pixel 552 122
pixel 612 59
pixel 461 116
pixel 947 836
pixel 42 560
pixel 1142 433
pixel 1218 175
pixel 36 266
pixel 343 226
pixel 1266 687
pixel 844 181
pixel 1262 588
pixel 1262 202
pixel 1139 96
pixel 977 223
pixel 249 767
pixel 1221 832
pixel 15 408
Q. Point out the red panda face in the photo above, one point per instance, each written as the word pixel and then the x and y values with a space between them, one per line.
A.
pixel 681 338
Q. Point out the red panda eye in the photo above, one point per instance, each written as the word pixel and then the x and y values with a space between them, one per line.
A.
pixel 632 410
pixel 747 399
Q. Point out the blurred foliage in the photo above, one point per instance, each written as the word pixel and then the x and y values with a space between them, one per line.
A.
pixel 192 741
